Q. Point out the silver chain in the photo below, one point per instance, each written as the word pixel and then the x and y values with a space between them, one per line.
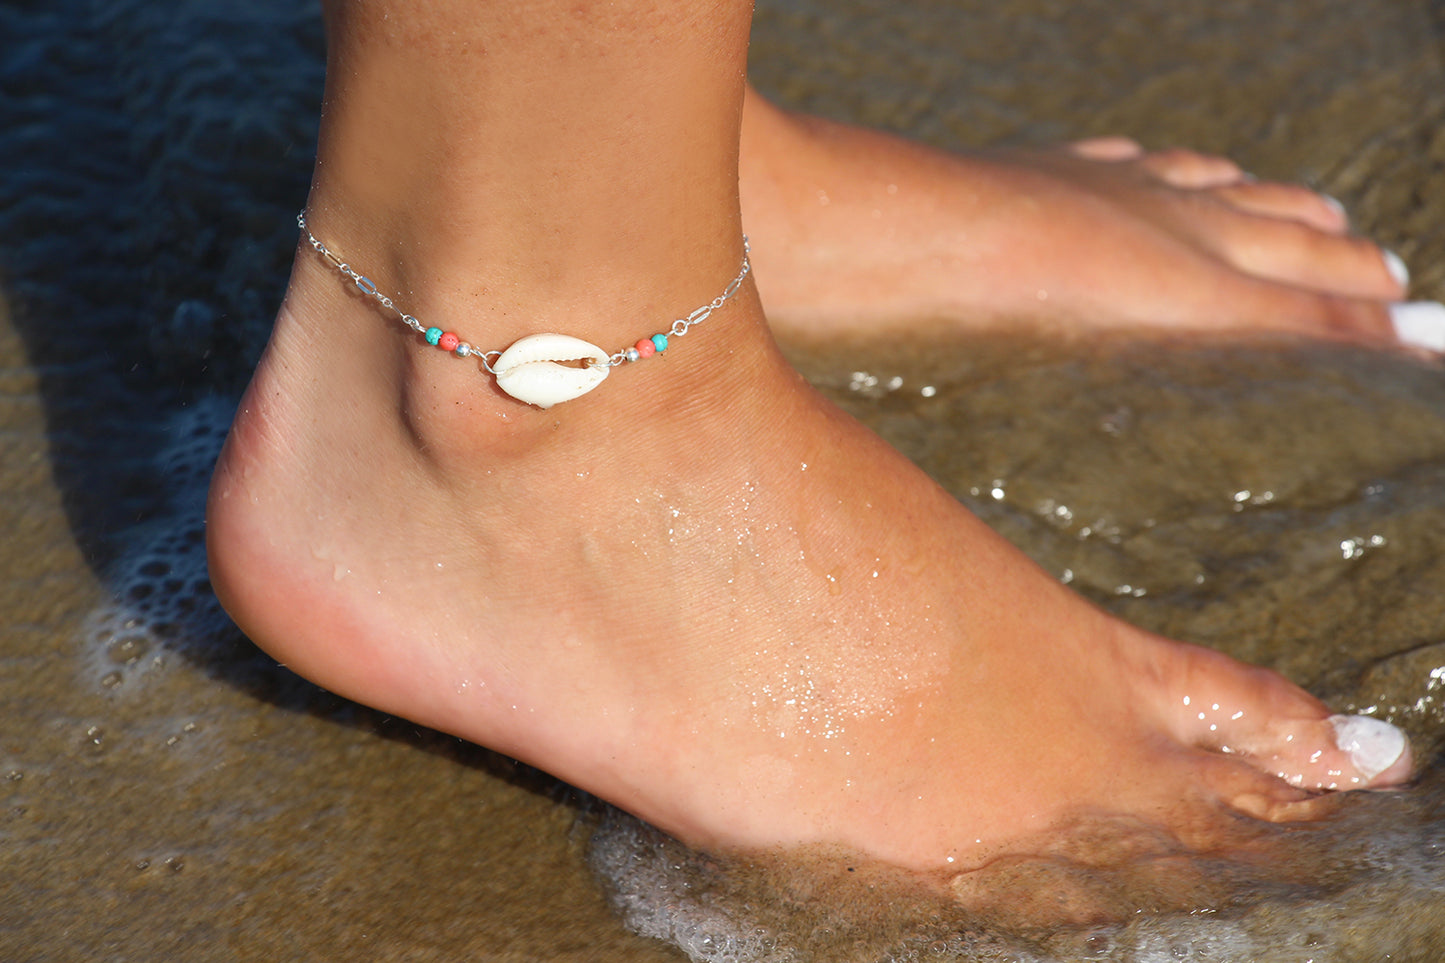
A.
pixel 368 287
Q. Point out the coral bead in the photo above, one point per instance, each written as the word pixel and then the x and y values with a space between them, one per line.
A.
pixel 645 348
pixel 448 341
pixel 659 341
pixel 433 335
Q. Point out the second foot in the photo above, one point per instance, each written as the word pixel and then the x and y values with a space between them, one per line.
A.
pixel 860 231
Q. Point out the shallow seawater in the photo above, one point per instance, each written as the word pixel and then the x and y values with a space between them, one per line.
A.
pixel 166 792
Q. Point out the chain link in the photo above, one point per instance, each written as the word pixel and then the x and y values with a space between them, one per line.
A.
pixel 368 287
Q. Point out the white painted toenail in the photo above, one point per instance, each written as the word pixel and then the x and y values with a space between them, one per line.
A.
pixel 1373 744
pixel 1397 268
pixel 1419 323
pixel 1336 205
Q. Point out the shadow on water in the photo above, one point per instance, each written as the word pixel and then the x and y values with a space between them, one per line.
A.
pixel 155 158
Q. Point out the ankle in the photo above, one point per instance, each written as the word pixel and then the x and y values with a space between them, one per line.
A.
pixel 711 359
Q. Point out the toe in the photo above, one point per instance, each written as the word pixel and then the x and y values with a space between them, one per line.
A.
pixel 1294 253
pixel 1287 201
pixel 1283 732
pixel 1106 148
pixel 1335 753
pixel 1240 785
pixel 1271 305
pixel 1193 170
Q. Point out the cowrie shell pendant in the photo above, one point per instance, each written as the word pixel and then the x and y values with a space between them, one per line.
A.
pixel 542 370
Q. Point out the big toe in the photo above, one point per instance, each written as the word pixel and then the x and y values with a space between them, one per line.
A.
pixel 1335 753
pixel 1332 753
pixel 1279 729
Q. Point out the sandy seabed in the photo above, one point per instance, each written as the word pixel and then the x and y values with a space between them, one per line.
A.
pixel 168 793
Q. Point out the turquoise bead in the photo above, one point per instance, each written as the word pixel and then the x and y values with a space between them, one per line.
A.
pixel 433 335
pixel 659 341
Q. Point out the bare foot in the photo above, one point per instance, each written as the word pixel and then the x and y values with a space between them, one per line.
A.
pixel 708 596
pixel 700 592
pixel 856 229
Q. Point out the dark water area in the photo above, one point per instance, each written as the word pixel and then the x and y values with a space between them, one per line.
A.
pixel 169 793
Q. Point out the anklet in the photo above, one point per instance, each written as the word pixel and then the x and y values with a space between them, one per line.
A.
pixel 539 369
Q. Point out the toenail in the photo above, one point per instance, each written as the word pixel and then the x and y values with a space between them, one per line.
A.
pixel 1419 323
pixel 1373 744
pixel 1397 268
pixel 1338 206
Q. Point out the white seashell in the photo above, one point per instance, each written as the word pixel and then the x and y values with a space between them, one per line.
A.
pixel 529 372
